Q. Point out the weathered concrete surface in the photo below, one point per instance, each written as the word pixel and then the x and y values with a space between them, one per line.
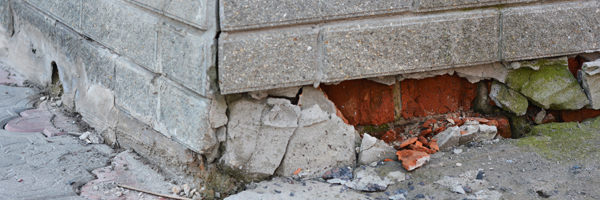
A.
pixel 198 13
pixel 6 18
pixel 13 100
pixel 35 167
pixel 313 96
pixel 137 91
pixel 576 30
pixel 67 11
pixel 589 78
pixel 240 14
pixel 551 87
pixel 508 99
pixel 335 146
pixel 432 5
pixel 448 138
pixel 374 150
pixel 282 188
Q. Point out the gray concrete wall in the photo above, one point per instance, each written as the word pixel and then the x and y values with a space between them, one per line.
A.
pixel 266 45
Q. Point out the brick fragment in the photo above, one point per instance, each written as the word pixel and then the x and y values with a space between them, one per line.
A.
pixel 411 159
pixel 408 142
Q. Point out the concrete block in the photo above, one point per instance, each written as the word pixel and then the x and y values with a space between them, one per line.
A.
pixel 374 150
pixel 448 138
pixel 589 77
pixel 267 60
pixel 99 64
pixel 241 14
pixel 67 11
pixel 136 91
pixel 185 58
pixel 126 30
pixel 184 116
pixel 410 45
pixel 432 5
pixel 199 13
pixel 550 30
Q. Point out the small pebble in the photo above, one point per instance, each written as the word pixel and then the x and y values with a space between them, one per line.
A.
pixel 458 164
pixel 480 175
pixel 291 194
pixel 277 191
pixel 420 196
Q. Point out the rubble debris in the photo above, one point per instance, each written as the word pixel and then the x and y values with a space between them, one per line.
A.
pixel 508 99
pixel 412 159
pixel 374 150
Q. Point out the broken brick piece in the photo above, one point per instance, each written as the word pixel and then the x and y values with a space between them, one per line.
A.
pixel 389 136
pixel 388 160
pixel 428 123
pixel 502 124
pixel 422 149
pixel 434 145
pixel 439 130
pixel 480 120
pixel 423 140
pixel 549 118
pixel 411 159
pixel 425 132
pixel 408 142
pixel 463 132
pixel 418 144
pixel 297 171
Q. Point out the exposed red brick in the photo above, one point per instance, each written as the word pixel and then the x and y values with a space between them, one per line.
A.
pixel 341 115
pixel 549 118
pixel 408 142
pixel 579 115
pixel 575 65
pixel 363 102
pixel 502 124
pixel 411 159
pixel 429 122
pixel 389 136
pixel 436 95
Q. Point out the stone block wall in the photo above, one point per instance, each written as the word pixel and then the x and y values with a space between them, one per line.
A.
pixel 293 43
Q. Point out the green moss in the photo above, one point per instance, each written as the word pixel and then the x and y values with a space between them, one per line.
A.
pixel 375 129
pixel 561 141
pixel 519 77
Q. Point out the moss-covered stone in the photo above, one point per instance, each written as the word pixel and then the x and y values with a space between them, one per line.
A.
pixel 551 87
pixel 508 99
pixel 561 141
pixel 375 129
pixel 519 126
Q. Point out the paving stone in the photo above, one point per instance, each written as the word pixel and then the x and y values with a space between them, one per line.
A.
pixel 39 120
pixel 126 30
pixel 432 5
pixel 534 31
pixel 261 61
pixel 14 100
pixel 67 11
pixel 240 14
pixel 46 166
pixel 126 169
pixel 8 78
pixel 400 46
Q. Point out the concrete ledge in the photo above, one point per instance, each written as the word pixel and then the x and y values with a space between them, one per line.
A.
pixel 435 5
pixel 199 13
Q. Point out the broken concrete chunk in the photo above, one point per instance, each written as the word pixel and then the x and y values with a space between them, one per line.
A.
pixel 476 133
pixel 412 160
pixel 368 180
pixel 374 150
pixel 217 114
pixel 311 96
pixel 283 114
pixel 448 138
pixel 242 132
pixel 258 95
pixel 386 80
pixel 508 99
pixel 290 92
pixel 589 77
pixel 319 147
pixel 313 115
pixel 483 72
pixel 551 87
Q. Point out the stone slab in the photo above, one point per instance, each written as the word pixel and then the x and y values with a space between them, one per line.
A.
pixel 184 117
pixel 410 45
pixel 550 30
pixel 67 11
pixel 267 60
pixel 126 30
pixel 99 64
pixel 184 57
pixel 136 91
pixel 589 78
pixel 6 18
pixel 242 14
pixel 198 13
pixel 433 5
pixel 14 100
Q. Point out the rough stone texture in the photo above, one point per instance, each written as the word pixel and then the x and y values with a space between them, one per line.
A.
pixel 283 188
pixel 589 77
pixel 448 138
pixel 136 91
pixel 240 14
pixel 551 87
pixel 126 30
pixel 194 12
pixel 557 29
pixel 99 65
pixel 432 5
pixel 315 96
pixel 374 150
pixel 278 125
pixel 218 112
pixel 508 99
pixel 362 101
pixel 6 18
pixel 67 11
pixel 14 100
pixel 261 61
pixel 242 132
pixel 334 149
pixel 371 49
pixel 477 133
pixel 437 95
pixel 184 116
